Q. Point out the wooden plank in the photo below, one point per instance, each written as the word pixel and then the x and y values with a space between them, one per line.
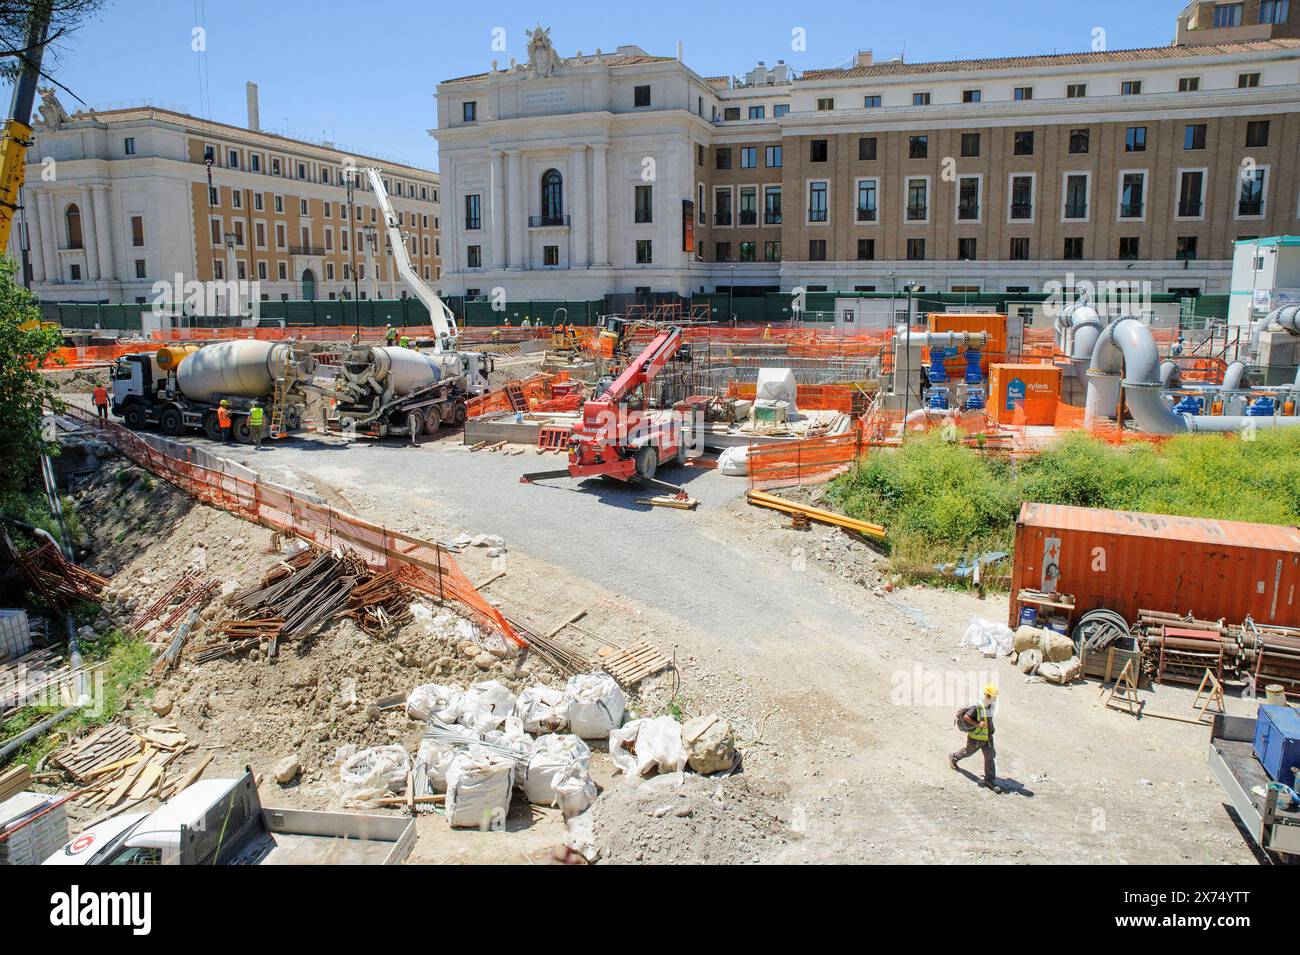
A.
pixel 148 779
pixel 189 778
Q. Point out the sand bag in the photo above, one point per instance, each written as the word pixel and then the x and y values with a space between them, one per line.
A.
pixel 1056 647
pixel 512 736
pixel 575 790
pixel 437 755
pixel 486 706
pixel 1030 660
pixel 595 705
pixel 733 462
pixel 431 699
pixel 648 744
pixel 478 790
pixel 1028 638
pixel 373 773
pixel 552 754
pixel 542 710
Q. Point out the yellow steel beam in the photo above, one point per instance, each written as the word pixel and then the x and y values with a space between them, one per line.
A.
pixel 763 499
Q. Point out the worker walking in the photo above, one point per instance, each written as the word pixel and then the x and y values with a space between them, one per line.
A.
pixel 223 420
pixel 100 396
pixel 977 721
pixel 390 336
pixel 255 418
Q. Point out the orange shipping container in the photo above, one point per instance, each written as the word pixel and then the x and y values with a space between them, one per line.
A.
pixel 1125 561
pixel 1024 394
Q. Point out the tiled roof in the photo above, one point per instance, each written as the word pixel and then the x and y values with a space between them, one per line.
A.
pixel 1060 59
pixel 609 59
pixel 228 130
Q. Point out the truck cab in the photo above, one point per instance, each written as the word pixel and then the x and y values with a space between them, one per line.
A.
pixel 134 387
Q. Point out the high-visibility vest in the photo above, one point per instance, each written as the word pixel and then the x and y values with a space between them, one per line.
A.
pixel 981 716
pixel 255 417
pixel 223 417
pixel 101 395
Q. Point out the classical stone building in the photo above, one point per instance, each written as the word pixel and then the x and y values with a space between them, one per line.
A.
pixel 572 177
pixel 115 201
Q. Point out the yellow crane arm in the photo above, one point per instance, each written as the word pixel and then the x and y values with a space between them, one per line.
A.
pixel 14 140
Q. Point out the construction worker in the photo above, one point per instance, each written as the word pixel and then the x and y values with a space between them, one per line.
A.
pixel 1177 348
pixel 100 397
pixel 255 419
pixel 977 721
pixel 223 420
pixel 526 323
pixel 390 335
pixel 405 342
pixel 507 321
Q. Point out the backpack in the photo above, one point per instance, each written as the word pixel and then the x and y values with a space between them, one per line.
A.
pixel 963 722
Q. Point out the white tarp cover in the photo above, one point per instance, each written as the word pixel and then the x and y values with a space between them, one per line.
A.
pixel 777 384
pixel 648 744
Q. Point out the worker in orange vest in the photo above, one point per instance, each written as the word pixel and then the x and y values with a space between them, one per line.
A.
pixel 223 420
pixel 100 396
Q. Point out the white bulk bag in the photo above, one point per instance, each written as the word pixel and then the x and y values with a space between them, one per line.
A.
pixel 551 755
pixel 575 790
pixel 373 773
pixel 595 705
pixel 542 710
pixel 512 736
pixel 486 706
pixel 438 755
pixel 431 699
pixel 734 462
pixel 478 790
pixel 648 744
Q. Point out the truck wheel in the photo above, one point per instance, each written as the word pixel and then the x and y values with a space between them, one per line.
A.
pixel 432 422
pixel 133 417
pixel 171 422
pixel 647 460
pixel 414 424
pixel 241 432
pixel 210 427
pixel 681 458
pixel 458 414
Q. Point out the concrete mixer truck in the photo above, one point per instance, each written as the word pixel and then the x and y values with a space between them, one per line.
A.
pixel 178 388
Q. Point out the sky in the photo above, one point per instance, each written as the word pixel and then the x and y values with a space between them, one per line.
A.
pixel 363 73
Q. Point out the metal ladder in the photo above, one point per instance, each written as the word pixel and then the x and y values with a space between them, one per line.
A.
pixel 281 393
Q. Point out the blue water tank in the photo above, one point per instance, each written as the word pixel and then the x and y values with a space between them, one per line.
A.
pixel 1277 742
pixel 1190 404
pixel 974 371
pixel 1261 407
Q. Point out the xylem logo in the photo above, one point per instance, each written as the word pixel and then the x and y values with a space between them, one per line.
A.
pixel 76 908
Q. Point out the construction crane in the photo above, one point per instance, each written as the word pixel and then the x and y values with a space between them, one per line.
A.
pixel 441 317
pixel 17 132
pixel 619 435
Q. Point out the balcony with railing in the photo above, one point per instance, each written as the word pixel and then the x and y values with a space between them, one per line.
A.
pixel 1022 210
pixel 916 213
pixel 307 250
pixel 1130 210
pixel 722 218
pixel 968 211
pixel 866 214
pixel 748 217
pixel 1076 210
pixel 1250 207
pixel 816 215
pixel 1189 208
pixel 547 222
pixel 772 218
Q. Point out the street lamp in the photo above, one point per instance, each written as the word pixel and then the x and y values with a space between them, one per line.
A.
pixel 229 238
pixel 350 179
pixel 731 296
pixel 909 288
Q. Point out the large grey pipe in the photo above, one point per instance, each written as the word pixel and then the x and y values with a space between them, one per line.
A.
pixel 1083 326
pixel 1128 344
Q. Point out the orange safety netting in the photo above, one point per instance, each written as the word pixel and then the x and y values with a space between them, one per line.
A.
pixel 90 356
pixel 810 397
pixel 424 565
pixel 810 461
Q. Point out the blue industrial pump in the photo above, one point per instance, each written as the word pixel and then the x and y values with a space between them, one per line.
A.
pixel 1261 407
pixel 1190 404
pixel 974 371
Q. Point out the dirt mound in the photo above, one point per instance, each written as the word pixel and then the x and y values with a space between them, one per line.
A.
pixel 682 818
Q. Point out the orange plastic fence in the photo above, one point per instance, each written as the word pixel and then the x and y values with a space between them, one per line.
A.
pixel 811 461
pixel 811 397
pixel 424 565
pixel 91 356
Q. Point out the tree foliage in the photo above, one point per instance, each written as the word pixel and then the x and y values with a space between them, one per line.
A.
pixel 65 17
pixel 24 346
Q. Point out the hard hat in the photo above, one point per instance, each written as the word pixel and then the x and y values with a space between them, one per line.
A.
pixel 225 403
pixel 990 690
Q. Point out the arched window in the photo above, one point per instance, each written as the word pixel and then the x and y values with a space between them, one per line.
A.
pixel 73 217
pixel 552 197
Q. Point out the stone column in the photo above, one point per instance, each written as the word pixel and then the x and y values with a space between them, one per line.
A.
pixel 35 227
pixel 599 207
pixel 89 234
pixel 450 209
pixel 579 205
pixel 50 236
pixel 104 233
pixel 497 198
pixel 517 212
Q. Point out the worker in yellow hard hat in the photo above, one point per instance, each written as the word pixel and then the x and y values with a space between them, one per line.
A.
pixel 977 723
pixel 223 420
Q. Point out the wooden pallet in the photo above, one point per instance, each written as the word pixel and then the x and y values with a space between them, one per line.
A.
pixel 633 664
pixel 110 745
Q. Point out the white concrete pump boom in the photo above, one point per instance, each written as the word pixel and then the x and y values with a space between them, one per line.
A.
pixel 442 317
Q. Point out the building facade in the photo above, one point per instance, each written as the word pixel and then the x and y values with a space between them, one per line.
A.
pixel 117 201
pixel 624 172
